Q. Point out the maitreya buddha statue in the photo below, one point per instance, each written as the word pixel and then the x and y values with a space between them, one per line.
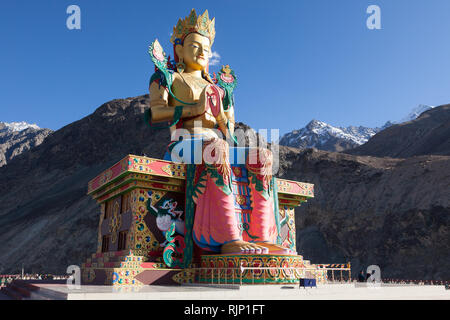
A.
pixel 183 93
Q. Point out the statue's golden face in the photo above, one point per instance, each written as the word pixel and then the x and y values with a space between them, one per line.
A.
pixel 195 51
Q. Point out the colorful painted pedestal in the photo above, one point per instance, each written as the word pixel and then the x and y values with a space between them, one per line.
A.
pixel 131 240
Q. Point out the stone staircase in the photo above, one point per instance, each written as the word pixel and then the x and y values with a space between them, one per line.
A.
pixel 118 268
pixel 116 259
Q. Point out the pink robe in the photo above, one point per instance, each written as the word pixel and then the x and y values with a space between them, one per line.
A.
pixel 216 221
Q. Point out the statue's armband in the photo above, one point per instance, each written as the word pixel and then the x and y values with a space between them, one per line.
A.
pixel 163 74
pixel 227 80
pixel 159 94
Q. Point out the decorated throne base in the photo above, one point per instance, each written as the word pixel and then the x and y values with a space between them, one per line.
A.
pixel 256 269
pixel 124 269
pixel 133 250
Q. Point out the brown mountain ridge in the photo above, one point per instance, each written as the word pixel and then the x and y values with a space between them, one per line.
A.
pixel 428 134
pixel 367 210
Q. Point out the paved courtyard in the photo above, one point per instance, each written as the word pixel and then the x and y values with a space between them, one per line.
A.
pixel 327 292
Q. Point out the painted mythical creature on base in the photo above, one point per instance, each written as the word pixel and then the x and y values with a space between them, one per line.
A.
pixel 183 94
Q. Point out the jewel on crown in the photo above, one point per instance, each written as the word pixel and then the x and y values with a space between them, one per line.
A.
pixel 193 23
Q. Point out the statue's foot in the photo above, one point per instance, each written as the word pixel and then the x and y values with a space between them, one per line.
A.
pixel 243 247
pixel 276 248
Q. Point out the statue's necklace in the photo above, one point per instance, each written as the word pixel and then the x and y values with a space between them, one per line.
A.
pixel 198 82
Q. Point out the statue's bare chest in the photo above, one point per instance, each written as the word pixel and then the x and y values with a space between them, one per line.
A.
pixel 188 88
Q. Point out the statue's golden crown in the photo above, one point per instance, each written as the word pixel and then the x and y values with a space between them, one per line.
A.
pixel 193 23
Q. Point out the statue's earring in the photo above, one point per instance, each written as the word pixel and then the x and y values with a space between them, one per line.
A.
pixel 181 66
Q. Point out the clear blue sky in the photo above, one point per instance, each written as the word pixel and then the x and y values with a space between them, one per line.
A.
pixel 296 60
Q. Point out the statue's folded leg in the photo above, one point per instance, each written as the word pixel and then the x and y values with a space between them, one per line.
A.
pixel 262 228
pixel 215 221
pixel 216 225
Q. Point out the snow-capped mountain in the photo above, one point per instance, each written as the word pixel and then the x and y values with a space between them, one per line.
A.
pixel 416 112
pixel 323 136
pixel 17 126
pixel 18 137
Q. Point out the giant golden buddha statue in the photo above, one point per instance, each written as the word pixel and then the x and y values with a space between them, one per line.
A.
pixel 183 94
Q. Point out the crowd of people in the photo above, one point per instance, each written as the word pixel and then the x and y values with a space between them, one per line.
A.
pixel 7 278
pixel 365 277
